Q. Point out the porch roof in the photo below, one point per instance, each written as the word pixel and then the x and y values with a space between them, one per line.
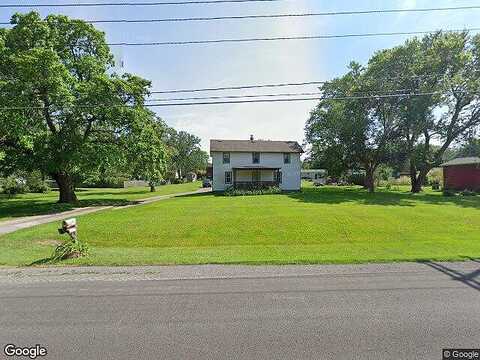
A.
pixel 253 167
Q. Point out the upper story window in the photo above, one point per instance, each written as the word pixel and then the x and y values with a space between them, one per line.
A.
pixel 256 157
pixel 286 158
pixel 226 158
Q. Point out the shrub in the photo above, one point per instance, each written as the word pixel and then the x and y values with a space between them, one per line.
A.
pixel 12 185
pixel 72 248
pixel 467 192
pixel 356 179
pixel 435 176
pixel 35 182
pixel 448 192
pixel 244 192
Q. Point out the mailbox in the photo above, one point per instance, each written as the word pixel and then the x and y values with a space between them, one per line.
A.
pixel 69 226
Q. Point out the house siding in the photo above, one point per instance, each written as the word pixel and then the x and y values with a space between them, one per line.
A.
pixel 461 177
pixel 290 172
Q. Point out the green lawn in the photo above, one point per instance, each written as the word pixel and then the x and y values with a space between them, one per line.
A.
pixel 37 204
pixel 318 225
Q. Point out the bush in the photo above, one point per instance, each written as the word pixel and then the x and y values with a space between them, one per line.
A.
pixel 448 192
pixel 72 248
pixel 435 185
pixel 244 192
pixel 12 185
pixel 467 192
pixel 356 179
pixel 35 183
pixel 435 176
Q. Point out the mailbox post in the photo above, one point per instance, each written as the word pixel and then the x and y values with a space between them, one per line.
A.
pixel 69 226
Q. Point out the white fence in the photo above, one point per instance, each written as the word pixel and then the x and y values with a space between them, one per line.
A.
pixel 134 183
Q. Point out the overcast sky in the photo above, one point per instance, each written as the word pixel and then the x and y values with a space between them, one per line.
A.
pixel 199 66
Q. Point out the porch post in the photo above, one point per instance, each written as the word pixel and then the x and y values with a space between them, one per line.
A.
pixel 234 178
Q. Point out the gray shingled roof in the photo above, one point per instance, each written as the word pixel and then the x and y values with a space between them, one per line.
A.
pixel 462 161
pixel 255 146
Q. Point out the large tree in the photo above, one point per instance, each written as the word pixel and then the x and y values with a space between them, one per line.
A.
pixel 350 130
pixel 439 79
pixel 470 148
pixel 62 109
pixel 185 153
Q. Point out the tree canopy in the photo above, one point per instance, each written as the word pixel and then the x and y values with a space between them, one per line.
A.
pixel 424 93
pixel 63 110
pixel 185 153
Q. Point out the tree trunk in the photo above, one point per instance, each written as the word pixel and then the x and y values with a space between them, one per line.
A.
pixel 152 186
pixel 66 187
pixel 418 181
pixel 370 180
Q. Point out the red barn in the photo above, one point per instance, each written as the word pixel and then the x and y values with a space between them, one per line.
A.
pixel 462 174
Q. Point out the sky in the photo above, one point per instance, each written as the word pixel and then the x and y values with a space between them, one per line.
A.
pixel 237 64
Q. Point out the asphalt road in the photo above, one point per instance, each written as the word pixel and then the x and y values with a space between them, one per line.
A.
pixel 408 311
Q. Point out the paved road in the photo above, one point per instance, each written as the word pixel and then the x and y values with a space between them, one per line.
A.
pixel 29 221
pixel 398 311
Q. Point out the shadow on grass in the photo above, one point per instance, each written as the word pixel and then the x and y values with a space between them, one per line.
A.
pixel 30 207
pixel 338 195
pixel 45 261
pixel 357 195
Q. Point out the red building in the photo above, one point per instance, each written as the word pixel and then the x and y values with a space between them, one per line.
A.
pixel 462 174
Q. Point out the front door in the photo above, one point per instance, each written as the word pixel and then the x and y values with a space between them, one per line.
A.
pixel 256 176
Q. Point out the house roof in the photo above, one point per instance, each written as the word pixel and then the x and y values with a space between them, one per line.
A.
pixel 462 161
pixel 256 146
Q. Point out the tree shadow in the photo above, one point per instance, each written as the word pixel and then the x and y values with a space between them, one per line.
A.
pixel 31 207
pixel 45 261
pixel 338 195
pixel 468 279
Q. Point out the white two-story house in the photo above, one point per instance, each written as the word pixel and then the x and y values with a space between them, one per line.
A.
pixel 255 163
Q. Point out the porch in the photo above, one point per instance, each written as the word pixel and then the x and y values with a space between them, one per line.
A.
pixel 258 177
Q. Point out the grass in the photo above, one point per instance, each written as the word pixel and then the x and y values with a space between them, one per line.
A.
pixel 317 225
pixel 39 204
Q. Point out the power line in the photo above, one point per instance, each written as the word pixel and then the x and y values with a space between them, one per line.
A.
pixel 276 16
pixel 340 98
pixel 237 96
pixel 255 86
pixel 305 37
pixel 238 87
pixel 392 92
pixel 158 3
pixel 274 85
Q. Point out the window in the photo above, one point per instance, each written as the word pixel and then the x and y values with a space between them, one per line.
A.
pixel 286 158
pixel 226 158
pixel 256 158
pixel 228 177
pixel 256 176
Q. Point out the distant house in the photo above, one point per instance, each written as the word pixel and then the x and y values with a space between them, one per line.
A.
pixel 255 163
pixel 462 174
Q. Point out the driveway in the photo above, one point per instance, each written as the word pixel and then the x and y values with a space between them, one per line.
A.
pixel 387 311
pixel 29 221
